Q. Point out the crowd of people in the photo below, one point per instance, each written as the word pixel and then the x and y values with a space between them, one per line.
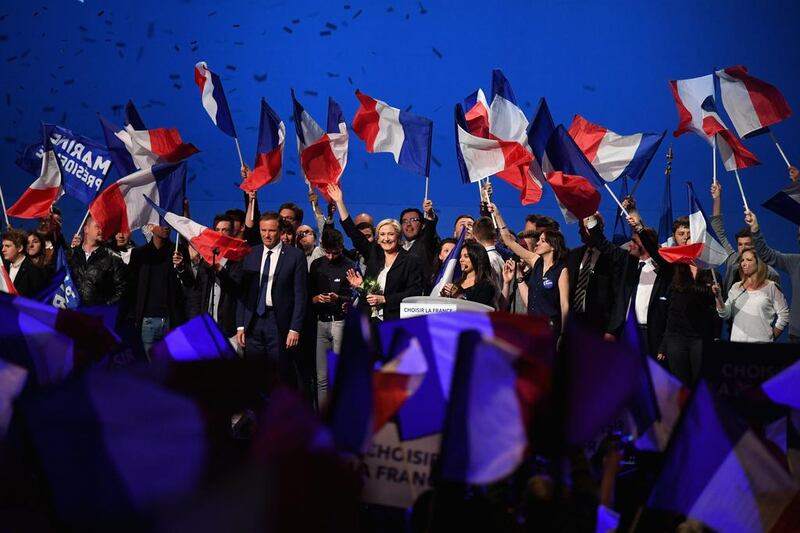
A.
pixel 287 299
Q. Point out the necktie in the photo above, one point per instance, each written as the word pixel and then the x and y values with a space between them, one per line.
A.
pixel 583 282
pixel 261 307
pixel 636 287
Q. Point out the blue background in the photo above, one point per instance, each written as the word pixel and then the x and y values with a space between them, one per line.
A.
pixel 610 61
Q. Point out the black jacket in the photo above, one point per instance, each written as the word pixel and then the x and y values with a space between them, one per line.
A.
pixel 626 273
pixel 100 280
pixel 29 280
pixel 142 260
pixel 403 279
pixel 197 294
pixel 600 292
pixel 424 248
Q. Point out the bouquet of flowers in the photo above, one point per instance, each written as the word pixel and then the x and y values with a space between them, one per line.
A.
pixel 371 286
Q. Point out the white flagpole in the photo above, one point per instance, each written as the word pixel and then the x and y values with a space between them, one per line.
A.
pixel 3 201
pixel 780 150
pixel 82 222
pixel 714 160
pixel 741 190
pixel 239 151
pixel 614 196
pixel 426 189
pixel 177 240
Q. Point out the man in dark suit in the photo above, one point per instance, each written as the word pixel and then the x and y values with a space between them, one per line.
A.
pixel 592 287
pixel 27 278
pixel 644 280
pixel 270 312
pixel 421 238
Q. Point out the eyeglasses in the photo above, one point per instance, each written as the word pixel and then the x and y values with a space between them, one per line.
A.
pixel 301 234
pixel 410 220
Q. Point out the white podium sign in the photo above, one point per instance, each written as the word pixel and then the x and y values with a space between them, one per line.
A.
pixel 429 305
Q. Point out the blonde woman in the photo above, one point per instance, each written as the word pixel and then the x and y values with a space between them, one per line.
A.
pixel 754 303
pixel 398 273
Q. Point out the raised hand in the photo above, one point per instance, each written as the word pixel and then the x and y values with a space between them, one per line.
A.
pixel 716 190
pixel 354 278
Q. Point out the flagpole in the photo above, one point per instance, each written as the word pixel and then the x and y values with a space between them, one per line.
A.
pixel 487 199
pixel 780 150
pixel 426 189
pixel 741 190
pixel 239 151
pixel 177 240
pixel 714 160
pixel 614 196
pixel 3 201
pixel 86 216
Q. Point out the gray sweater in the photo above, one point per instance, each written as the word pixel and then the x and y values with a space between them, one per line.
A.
pixel 789 263
pixel 732 262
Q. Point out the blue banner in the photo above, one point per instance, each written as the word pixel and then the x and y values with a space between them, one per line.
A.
pixel 84 162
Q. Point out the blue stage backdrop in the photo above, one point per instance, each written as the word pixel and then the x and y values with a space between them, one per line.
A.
pixel 66 61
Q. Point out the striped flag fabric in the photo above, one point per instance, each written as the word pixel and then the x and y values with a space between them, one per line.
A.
pixel 405 135
pixel 269 150
pixel 477 114
pixel 133 150
pixel 670 396
pixel 213 98
pixel 40 196
pixel 713 253
pixel 751 103
pixel 6 285
pixel 449 267
pixel 786 203
pixel 612 154
pixel 718 471
pixel 396 380
pixel 203 239
pixel 322 153
pixel 694 100
pixel 196 340
pixel 125 205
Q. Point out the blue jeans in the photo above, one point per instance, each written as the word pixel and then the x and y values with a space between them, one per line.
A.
pixel 153 330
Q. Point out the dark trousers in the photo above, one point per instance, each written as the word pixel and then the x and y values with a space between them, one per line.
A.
pixel 264 340
pixel 684 357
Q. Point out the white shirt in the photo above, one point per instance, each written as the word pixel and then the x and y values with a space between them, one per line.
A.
pixel 753 312
pixel 382 282
pixel 273 263
pixel 13 269
pixel 647 279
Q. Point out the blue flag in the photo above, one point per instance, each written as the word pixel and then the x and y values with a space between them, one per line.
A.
pixel 61 292
pixel 622 230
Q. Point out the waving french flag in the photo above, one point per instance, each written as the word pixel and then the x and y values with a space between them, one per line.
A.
pixel 323 153
pixel 713 253
pixel 388 129
pixel 612 154
pixel 269 150
pixel 752 104
pixel 122 207
pixel 479 157
pixel 449 267
pixel 508 122
pixel 132 117
pixel 574 180
pixel 133 150
pixel 477 114
pixel 203 239
pixel 694 99
pixel 45 190
pixel 213 98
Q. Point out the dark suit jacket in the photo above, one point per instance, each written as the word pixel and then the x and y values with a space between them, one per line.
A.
pixel 403 279
pixel 30 279
pixel 288 289
pixel 626 273
pixel 600 292
pixel 142 259
pixel 197 293
pixel 424 248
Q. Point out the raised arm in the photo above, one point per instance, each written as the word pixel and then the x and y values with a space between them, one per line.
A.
pixel 770 256
pixel 716 217
pixel 509 240
pixel 359 241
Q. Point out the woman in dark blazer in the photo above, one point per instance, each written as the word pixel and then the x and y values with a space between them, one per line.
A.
pixel 398 272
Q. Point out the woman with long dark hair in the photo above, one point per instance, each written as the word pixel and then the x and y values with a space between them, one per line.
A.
pixel 691 319
pixel 476 283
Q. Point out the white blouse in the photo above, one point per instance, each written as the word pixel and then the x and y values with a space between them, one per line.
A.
pixel 754 312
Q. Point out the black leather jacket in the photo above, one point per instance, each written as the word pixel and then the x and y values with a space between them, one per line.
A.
pixel 101 279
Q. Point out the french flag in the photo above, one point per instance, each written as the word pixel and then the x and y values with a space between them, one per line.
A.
pixel 423 413
pixel 132 117
pixel 717 471
pixel 40 196
pixel 694 99
pixel 449 267
pixel 6 285
pixel 397 379
pixel 479 157
pixel 133 150
pixel 124 206
pixel 612 154
pixel 508 122
pixel 477 114
pixel 574 180
pixel 786 203
pixel 197 340
pixel 203 239
pixel 486 430
pixel 705 250
pixel 269 150
pixel 388 129
pixel 751 103
pixel 671 395
pixel 213 98
pixel 323 153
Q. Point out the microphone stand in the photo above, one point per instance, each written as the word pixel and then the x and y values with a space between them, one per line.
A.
pixel 210 304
